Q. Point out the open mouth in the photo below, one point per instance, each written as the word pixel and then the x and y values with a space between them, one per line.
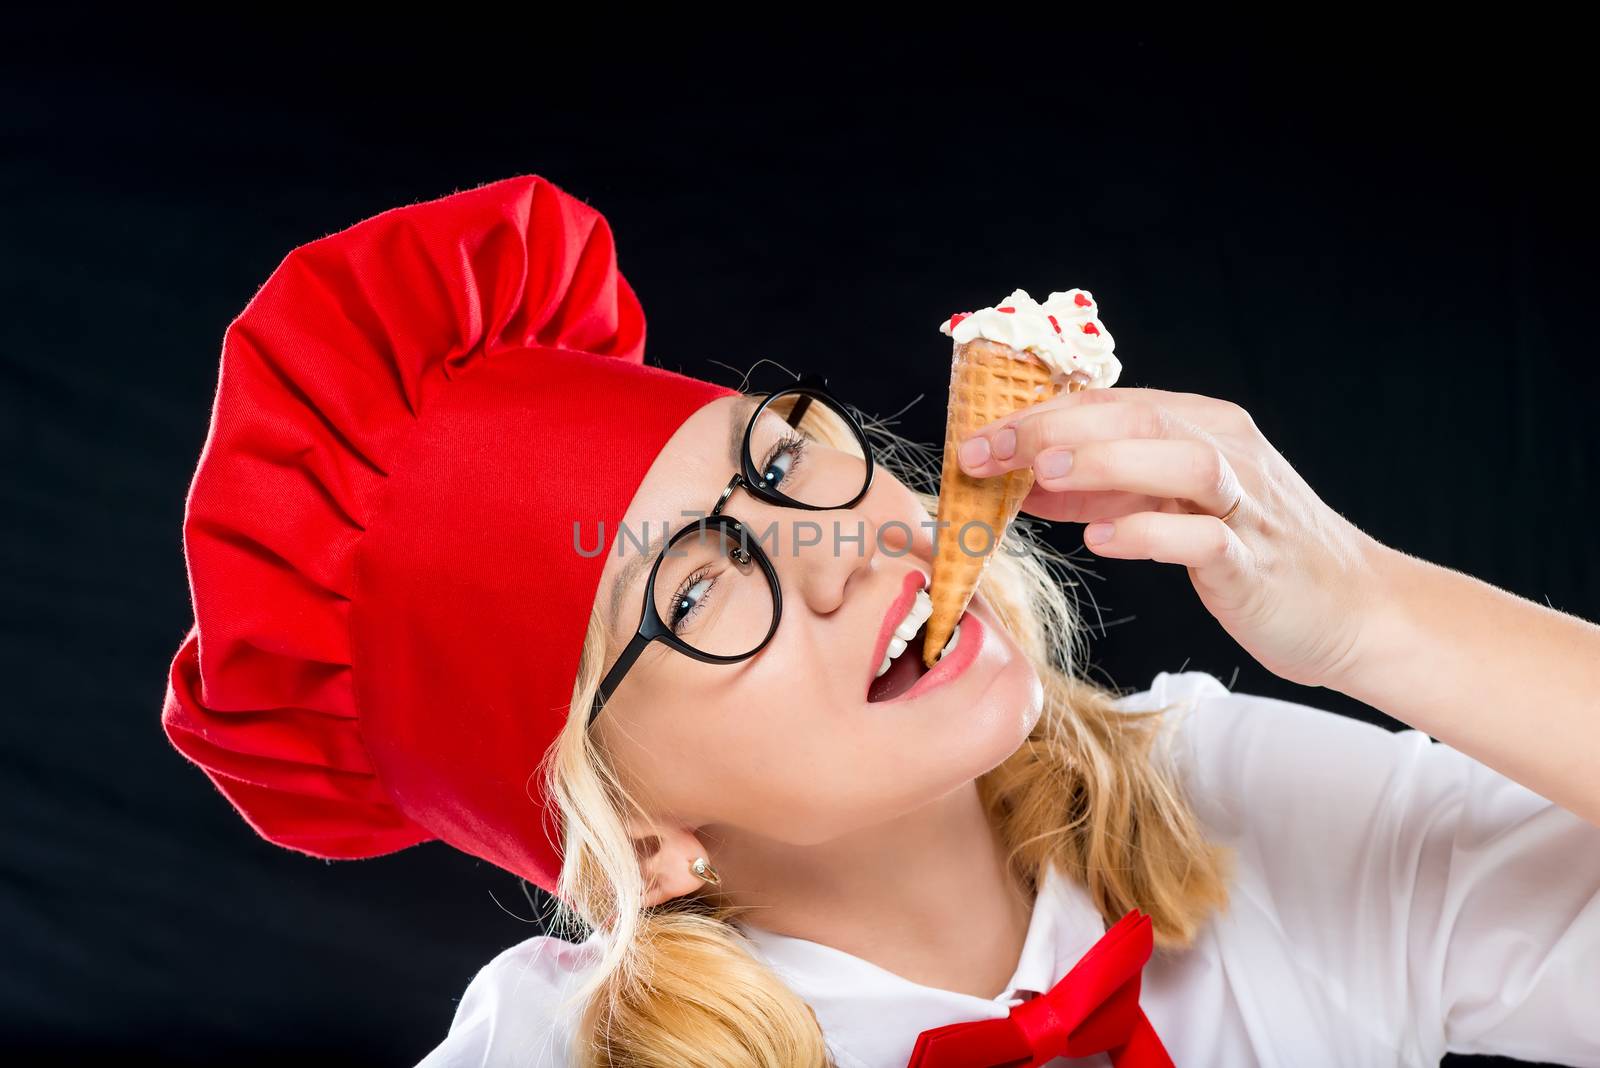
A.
pixel 900 667
pixel 904 670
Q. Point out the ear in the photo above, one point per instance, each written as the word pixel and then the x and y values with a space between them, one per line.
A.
pixel 665 853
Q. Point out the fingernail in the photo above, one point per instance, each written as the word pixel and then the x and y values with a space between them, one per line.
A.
pixel 1095 533
pixel 975 453
pixel 1005 443
pixel 1055 463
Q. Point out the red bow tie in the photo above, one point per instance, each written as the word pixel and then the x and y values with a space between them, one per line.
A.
pixel 1093 1009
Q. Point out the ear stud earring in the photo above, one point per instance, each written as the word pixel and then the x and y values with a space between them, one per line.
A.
pixel 705 872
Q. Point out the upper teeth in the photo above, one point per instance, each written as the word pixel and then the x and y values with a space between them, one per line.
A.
pixel 916 616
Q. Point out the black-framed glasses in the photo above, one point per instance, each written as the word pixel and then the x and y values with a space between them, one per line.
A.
pixel 712 592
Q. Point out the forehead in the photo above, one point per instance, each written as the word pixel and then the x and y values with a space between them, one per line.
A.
pixel 696 462
pixel 684 482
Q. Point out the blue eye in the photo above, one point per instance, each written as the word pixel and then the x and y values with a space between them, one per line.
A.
pixel 783 459
pixel 689 597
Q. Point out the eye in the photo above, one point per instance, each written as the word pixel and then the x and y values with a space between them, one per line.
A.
pixel 689 597
pixel 785 456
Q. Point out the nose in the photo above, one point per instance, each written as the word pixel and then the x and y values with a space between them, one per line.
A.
pixel 830 570
pixel 853 544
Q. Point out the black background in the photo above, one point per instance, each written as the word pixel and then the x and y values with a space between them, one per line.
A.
pixel 1383 249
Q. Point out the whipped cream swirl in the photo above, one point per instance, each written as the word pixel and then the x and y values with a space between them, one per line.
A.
pixel 1064 332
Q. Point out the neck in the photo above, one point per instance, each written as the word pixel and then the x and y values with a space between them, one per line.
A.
pixel 927 896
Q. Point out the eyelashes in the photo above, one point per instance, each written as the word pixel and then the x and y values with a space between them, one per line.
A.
pixel 679 615
pixel 791 444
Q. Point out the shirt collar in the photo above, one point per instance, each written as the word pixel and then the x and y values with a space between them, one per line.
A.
pixel 852 998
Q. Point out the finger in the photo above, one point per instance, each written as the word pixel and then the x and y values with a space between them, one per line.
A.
pixel 1211 413
pixel 1198 541
pixel 1013 443
pixel 1187 470
pixel 1085 507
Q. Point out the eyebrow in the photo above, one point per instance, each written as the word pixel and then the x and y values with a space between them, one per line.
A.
pixel 738 416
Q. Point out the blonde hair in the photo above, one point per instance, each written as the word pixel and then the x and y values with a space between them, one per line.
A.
pixel 676 986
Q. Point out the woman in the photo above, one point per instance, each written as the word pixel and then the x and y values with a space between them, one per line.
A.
pixel 465 569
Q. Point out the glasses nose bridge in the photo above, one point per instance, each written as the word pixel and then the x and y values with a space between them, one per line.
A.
pixel 727 491
pixel 738 481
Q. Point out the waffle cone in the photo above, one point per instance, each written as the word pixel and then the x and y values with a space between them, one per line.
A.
pixel 988 381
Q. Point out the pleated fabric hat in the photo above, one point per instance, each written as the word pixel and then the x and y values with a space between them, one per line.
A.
pixel 411 417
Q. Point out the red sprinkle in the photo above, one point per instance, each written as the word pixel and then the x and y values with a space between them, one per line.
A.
pixel 1082 301
pixel 955 320
pixel 1090 328
pixel 1008 311
pixel 1053 323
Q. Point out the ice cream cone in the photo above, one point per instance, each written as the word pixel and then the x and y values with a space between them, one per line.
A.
pixel 988 381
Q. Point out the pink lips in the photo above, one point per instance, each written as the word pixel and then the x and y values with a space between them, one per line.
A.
pixel 951 665
pixel 914 581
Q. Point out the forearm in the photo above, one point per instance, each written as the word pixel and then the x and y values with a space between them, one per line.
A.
pixel 1511 683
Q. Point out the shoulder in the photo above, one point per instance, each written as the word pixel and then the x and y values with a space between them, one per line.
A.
pixel 516 1011
pixel 1238 752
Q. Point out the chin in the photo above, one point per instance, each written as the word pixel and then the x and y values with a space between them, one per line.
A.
pixel 947 735
pixel 995 703
pixel 958 746
pixel 962 741
pixel 1003 716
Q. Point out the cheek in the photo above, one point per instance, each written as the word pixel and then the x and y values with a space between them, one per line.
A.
pixel 757 748
pixel 728 743
pixel 776 750
pixel 800 774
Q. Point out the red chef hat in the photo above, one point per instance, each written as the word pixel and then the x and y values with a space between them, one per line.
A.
pixel 411 416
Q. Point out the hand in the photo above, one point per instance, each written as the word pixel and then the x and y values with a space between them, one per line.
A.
pixel 1288 577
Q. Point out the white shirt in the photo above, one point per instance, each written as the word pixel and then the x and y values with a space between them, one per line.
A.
pixel 1393 900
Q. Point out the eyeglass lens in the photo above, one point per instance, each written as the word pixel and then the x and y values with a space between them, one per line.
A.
pixel 817 464
pixel 712 600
